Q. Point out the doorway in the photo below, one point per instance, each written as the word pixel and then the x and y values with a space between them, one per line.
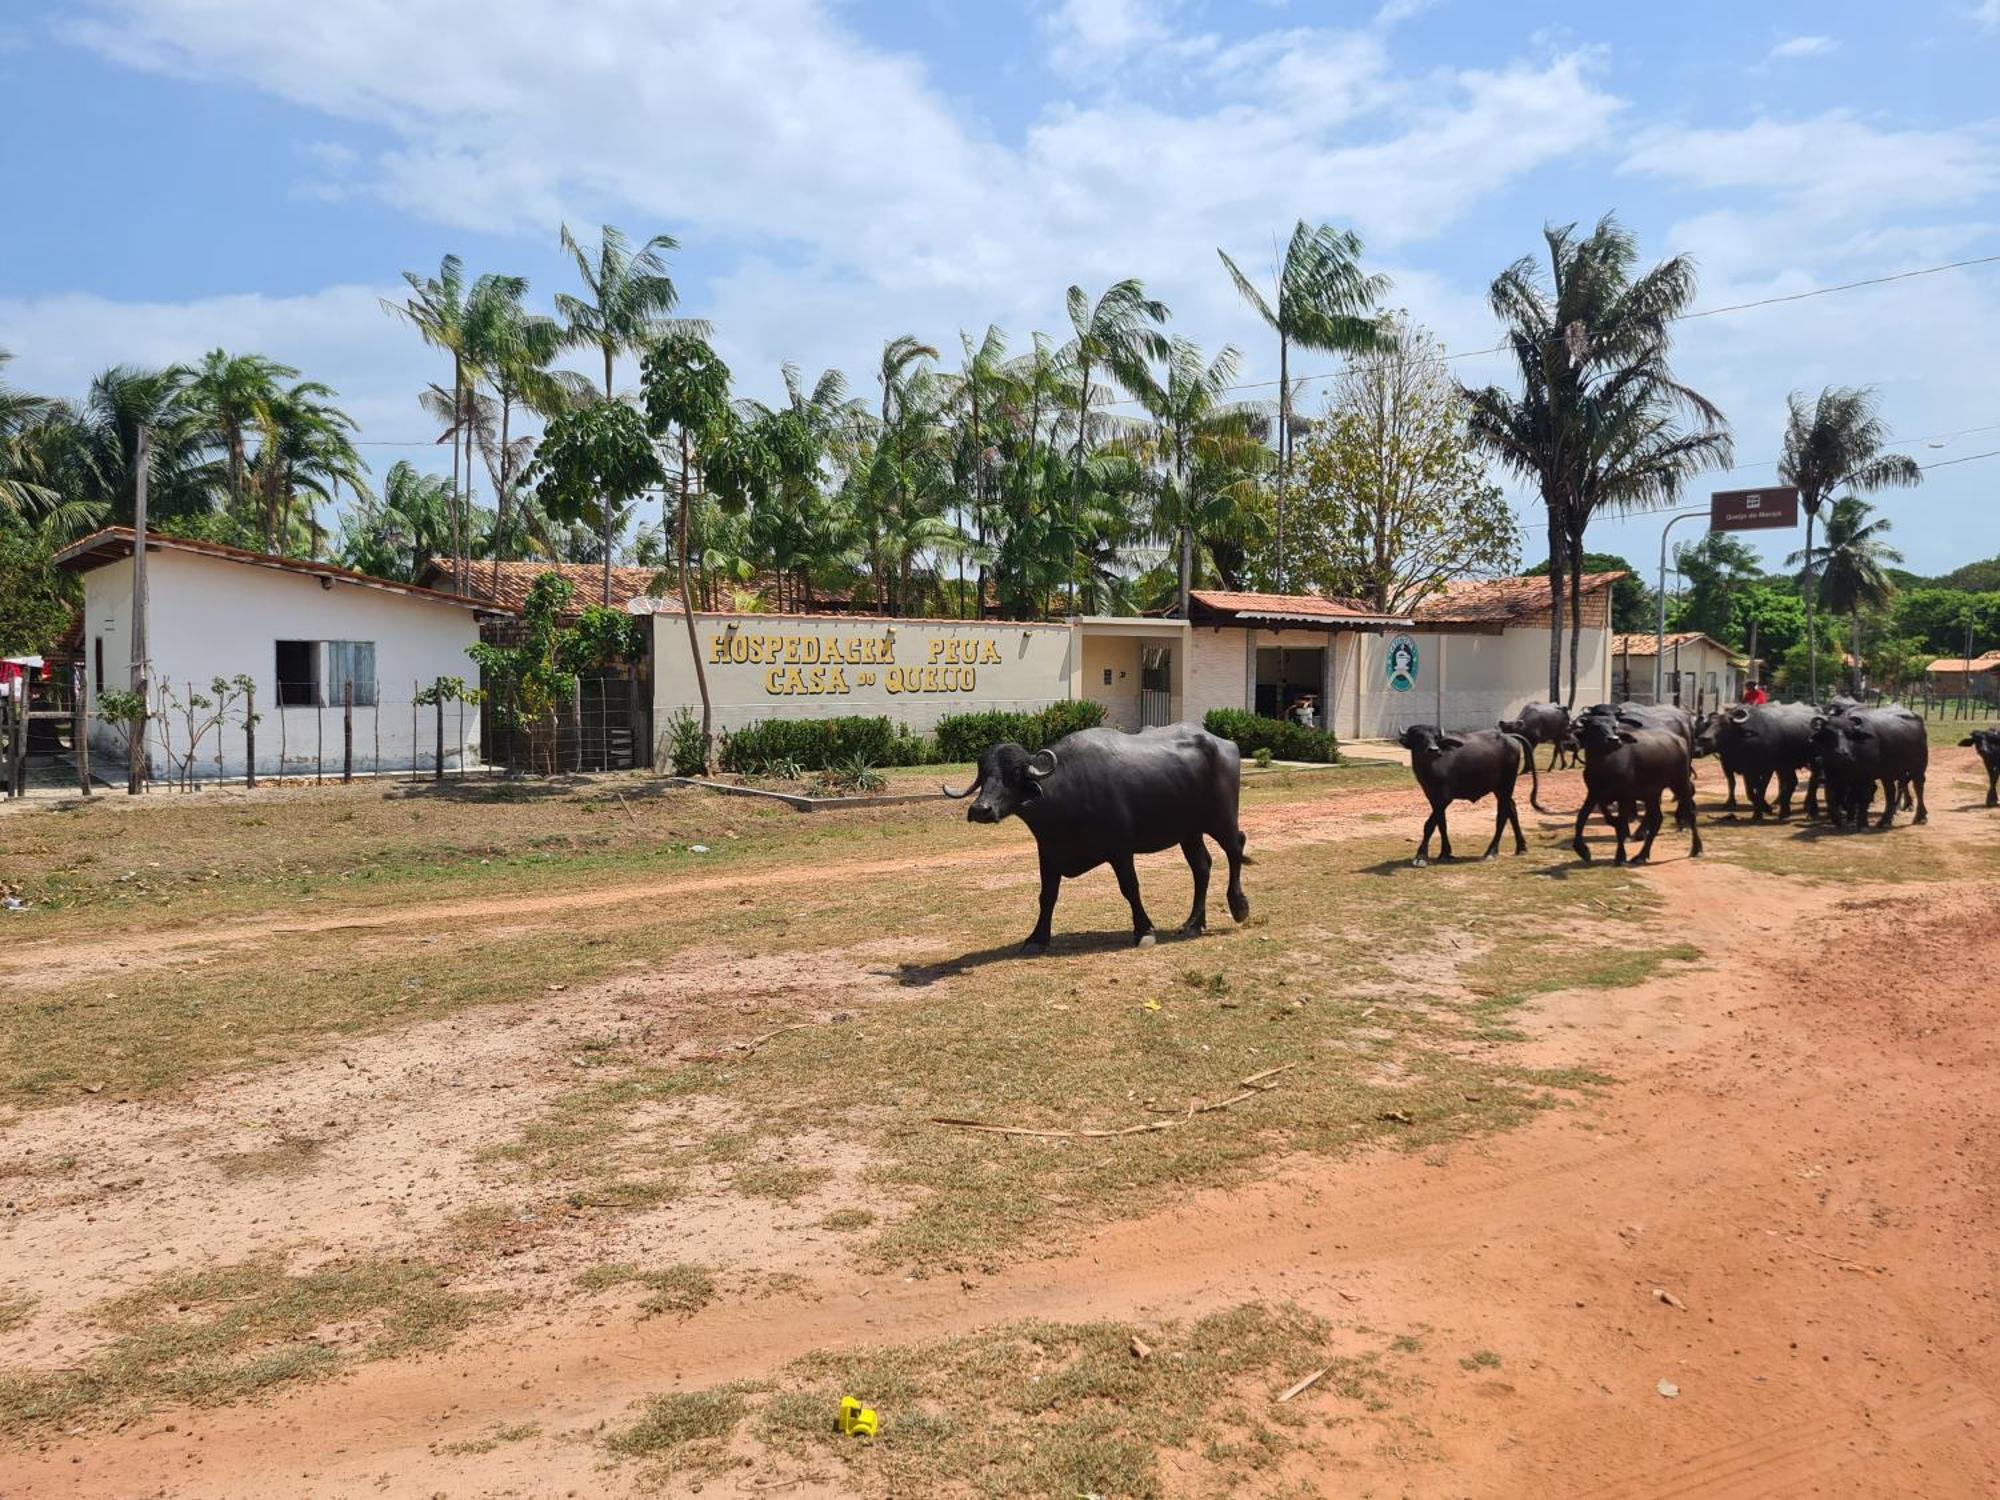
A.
pixel 1156 686
pixel 1286 674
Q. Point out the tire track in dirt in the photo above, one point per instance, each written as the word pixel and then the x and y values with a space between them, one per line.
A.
pixel 55 960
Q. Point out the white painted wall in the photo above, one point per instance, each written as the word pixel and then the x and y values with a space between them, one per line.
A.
pixel 1463 681
pixel 775 667
pixel 210 617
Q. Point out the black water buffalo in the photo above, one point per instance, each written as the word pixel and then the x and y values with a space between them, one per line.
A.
pixel 1670 718
pixel 1100 796
pixel 1865 747
pixel 1625 768
pixel 1987 743
pixel 1542 724
pixel 1463 768
pixel 1757 742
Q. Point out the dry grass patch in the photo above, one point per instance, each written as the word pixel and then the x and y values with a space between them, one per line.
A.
pixel 684 1289
pixel 219 1335
pixel 1028 1409
pixel 1376 988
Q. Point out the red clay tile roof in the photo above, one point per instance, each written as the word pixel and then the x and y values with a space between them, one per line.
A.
pixel 115 542
pixel 1497 601
pixel 1987 662
pixel 1644 643
pixel 508 583
pixel 1311 607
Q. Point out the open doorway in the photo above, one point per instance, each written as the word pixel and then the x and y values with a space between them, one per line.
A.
pixel 1290 683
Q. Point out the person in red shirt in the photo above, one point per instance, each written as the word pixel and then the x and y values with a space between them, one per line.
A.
pixel 1754 694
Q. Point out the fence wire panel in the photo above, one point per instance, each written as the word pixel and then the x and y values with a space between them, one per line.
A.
pixel 198 735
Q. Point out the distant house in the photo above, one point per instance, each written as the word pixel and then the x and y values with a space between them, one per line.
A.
pixel 1957 677
pixel 507 583
pixel 1700 671
pixel 306 635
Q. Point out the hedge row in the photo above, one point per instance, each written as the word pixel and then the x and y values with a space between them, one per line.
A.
pixel 821 745
pixel 1284 739
pixel 966 737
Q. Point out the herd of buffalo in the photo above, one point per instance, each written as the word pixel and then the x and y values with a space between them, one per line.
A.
pixel 1102 796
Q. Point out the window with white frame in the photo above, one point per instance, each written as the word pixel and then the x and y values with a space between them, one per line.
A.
pixel 318 674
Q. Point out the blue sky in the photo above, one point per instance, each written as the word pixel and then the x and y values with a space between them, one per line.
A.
pixel 255 174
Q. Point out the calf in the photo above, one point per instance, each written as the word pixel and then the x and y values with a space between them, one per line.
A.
pixel 1987 743
pixel 1542 724
pixel 1626 768
pixel 1857 750
pixel 1464 768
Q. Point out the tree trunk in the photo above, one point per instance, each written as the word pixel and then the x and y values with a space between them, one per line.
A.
pixel 1284 449
pixel 458 411
pixel 1575 614
pixel 506 487
pixel 1854 671
pixel 1812 633
pixel 605 514
pixel 1076 479
pixel 687 611
pixel 1557 586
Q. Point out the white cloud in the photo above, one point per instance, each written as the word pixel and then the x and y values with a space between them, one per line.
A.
pixel 1392 11
pixel 1086 36
pixel 1831 166
pixel 1987 13
pixel 1808 46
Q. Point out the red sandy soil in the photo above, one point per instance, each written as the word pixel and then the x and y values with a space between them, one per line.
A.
pixel 1784 1208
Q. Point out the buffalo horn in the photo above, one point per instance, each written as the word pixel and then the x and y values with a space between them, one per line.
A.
pixel 960 796
pixel 1038 772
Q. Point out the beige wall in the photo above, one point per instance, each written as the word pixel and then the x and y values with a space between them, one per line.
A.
pixel 1705 670
pixel 913 671
pixel 1116 649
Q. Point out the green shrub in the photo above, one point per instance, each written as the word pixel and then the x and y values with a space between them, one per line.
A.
pixel 1284 740
pixel 1263 757
pixel 966 737
pixel 685 751
pixel 819 745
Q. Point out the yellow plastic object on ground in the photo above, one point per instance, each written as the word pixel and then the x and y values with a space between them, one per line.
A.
pixel 856 1420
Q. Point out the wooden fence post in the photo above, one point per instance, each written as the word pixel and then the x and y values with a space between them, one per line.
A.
pixel 80 735
pixel 437 773
pixel 250 738
pixel 346 732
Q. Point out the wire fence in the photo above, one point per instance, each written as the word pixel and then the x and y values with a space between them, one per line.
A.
pixel 228 731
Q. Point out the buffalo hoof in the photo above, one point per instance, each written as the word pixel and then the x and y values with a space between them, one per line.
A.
pixel 1034 949
pixel 1239 907
pixel 1144 940
pixel 1491 854
pixel 1193 929
pixel 1420 862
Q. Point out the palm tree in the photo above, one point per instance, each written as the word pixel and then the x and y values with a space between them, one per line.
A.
pixel 1852 567
pixel 903 448
pixel 1835 443
pixel 437 309
pixel 394 537
pixel 236 390
pixel 305 453
pixel 512 350
pixel 627 298
pixel 24 487
pixel 1598 420
pixel 182 477
pixel 1118 333
pixel 981 386
pixel 1188 417
pixel 1324 302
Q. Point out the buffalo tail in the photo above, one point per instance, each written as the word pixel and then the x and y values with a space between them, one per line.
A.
pixel 1534 776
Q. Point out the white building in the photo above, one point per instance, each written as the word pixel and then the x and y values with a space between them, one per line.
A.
pixel 304 634
pixel 1699 672
pixel 1467 657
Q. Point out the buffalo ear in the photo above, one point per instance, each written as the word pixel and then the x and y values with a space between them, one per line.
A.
pixel 1451 742
pixel 1627 737
pixel 1968 740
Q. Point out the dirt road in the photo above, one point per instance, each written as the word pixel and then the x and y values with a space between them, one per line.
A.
pixel 1763 1263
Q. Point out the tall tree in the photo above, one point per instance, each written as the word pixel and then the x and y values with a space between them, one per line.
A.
pixel 397 535
pixel 1187 412
pixel 1717 570
pixel 628 295
pixel 687 407
pixel 1598 421
pixel 1835 443
pixel 1851 567
pixel 237 391
pixel 1320 299
pixel 593 462
pixel 305 453
pixel 512 350
pixel 1395 496
pixel 1117 334
pixel 438 308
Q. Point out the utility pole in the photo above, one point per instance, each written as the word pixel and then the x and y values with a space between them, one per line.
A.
pixel 142 466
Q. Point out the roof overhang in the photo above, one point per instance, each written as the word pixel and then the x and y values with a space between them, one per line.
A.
pixel 116 543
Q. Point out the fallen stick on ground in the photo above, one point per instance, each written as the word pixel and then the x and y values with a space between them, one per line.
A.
pixel 1098 1135
pixel 756 1043
pixel 1256 1078
pixel 1303 1385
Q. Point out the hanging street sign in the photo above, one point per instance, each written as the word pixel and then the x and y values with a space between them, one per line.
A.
pixel 1774 507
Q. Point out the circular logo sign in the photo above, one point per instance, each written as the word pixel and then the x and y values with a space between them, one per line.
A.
pixel 1402 663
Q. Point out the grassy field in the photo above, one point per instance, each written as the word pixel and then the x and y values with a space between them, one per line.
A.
pixel 821 1029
